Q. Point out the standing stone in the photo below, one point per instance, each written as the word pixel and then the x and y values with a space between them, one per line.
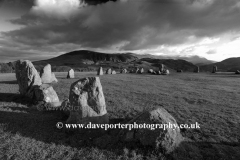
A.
pixel 27 77
pixel 123 71
pixel 114 72
pixel 70 73
pixel 100 71
pixel 109 71
pixel 165 72
pixel 54 79
pixel 214 69
pixel 196 70
pixel 141 71
pixel 87 97
pixel 137 70
pixel 150 71
pixel 162 67
pixel 164 140
pixel 46 74
pixel 46 93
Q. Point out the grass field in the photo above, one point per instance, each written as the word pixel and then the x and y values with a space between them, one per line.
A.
pixel 212 100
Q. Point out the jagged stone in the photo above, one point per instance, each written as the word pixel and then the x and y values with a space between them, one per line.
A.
pixel 87 96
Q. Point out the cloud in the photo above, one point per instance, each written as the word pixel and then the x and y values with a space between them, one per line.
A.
pixel 127 25
pixel 211 52
pixel 57 8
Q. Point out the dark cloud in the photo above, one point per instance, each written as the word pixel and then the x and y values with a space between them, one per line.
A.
pixel 129 25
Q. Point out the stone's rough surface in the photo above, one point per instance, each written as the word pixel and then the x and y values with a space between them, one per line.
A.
pixel 166 140
pixel 165 72
pixel 214 69
pixel 150 71
pixel 46 74
pixel 123 71
pixel 196 70
pixel 54 79
pixel 27 76
pixel 114 72
pixel 87 97
pixel 71 74
pixel 100 71
pixel 109 71
pixel 45 93
pixel 162 67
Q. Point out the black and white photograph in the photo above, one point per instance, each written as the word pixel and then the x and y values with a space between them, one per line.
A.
pixel 119 79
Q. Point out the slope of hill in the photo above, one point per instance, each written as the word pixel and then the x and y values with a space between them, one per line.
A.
pixel 227 65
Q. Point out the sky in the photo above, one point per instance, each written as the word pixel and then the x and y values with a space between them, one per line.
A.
pixel 42 29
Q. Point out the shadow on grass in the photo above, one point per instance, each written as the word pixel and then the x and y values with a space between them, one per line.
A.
pixel 41 126
pixel 13 97
pixel 8 82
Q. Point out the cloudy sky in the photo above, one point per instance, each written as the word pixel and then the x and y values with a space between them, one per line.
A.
pixel 41 29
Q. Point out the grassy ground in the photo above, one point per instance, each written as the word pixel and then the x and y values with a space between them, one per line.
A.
pixel 212 100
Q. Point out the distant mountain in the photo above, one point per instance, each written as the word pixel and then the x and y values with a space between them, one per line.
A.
pixel 193 59
pixel 227 65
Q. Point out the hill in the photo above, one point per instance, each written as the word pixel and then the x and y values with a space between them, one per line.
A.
pixel 227 65
pixel 89 60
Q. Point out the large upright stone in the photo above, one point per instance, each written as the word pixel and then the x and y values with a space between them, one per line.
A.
pixel 109 71
pixel 87 97
pixel 161 67
pixel 46 74
pixel 70 73
pixel 100 71
pixel 214 69
pixel 164 139
pixel 27 77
